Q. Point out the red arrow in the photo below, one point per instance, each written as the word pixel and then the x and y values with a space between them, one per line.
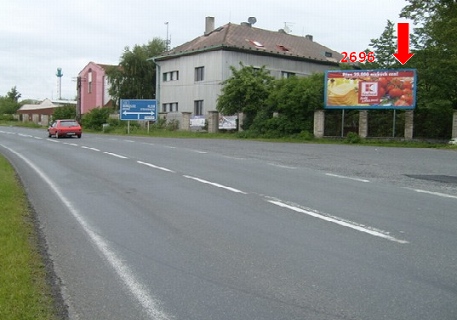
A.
pixel 403 54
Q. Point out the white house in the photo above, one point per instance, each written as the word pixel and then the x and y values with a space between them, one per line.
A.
pixel 189 76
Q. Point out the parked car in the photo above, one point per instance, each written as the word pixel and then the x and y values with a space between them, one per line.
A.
pixel 65 128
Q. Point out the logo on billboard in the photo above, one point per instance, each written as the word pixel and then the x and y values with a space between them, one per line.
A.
pixel 368 92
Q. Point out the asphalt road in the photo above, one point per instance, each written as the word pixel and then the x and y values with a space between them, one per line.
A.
pixel 149 228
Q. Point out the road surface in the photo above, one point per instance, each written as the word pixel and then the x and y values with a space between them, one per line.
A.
pixel 151 228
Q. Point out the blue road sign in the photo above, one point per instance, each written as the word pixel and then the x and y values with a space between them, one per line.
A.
pixel 138 110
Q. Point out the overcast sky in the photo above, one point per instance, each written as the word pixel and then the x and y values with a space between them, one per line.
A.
pixel 39 36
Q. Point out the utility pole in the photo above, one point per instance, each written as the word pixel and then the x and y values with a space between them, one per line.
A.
pixel 78 98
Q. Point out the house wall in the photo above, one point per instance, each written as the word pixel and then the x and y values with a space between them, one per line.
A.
pixel 94 90
pixel 186 90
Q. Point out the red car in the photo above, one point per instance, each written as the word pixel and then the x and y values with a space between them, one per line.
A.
pixel 65 128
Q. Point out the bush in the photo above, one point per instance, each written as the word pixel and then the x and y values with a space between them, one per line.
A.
pixel 353 137
pixel 96 118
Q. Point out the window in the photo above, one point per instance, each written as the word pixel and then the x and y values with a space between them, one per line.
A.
pixel 170 76
pixel 328 54
pixel 285 74
pixel 89 81
pixel 170 107
pixel 198 107
pixel 199 73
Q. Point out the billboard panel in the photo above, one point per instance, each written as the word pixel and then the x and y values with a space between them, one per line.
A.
pixel 370 89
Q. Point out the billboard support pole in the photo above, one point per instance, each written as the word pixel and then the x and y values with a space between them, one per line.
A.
pixel 394 122
pixel 342 123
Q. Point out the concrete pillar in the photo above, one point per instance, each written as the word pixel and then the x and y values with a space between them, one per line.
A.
pixel 240 121
pixel 162 115
pixel 44 119
pixel 35 118
pixel 185 121
pixel 409 124
pixel 319 123
pixel 213 121
pixel 454 125
pixel 363 123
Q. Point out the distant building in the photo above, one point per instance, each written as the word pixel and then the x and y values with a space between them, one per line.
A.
pixel 189 76
pixel 94 87
pixel 41 113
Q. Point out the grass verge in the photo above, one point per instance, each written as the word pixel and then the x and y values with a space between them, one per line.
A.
pixel 24 292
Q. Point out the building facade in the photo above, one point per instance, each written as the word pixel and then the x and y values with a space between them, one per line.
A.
pixel 93 88
pixel 190 76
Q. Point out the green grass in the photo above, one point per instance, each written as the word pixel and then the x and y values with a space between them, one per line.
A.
pixel 24 292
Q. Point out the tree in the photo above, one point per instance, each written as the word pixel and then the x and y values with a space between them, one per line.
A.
pixel 9 104
pixel 13 94
pixel 245 91
pixel 436 41
pixel 384 47
pixel 135 78
pixel 65 112
pixel 295 100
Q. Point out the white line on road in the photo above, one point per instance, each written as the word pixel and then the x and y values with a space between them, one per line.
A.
pixel 349 224
pixel 439 194
pixel 215 184
pixel 55 141
pixel 89 148
pixel 282 166
pixel 139 291
pixel 115 155
pixel 344 177
pixel 155 167
pixel 70 144
pixel 38 138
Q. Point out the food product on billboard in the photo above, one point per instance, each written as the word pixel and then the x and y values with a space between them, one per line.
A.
pixel 342 92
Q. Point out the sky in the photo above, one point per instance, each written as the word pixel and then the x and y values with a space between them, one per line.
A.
pixel 37 37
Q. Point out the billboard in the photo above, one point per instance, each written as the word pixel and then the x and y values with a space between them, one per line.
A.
pixel 138 109
pixel 370 89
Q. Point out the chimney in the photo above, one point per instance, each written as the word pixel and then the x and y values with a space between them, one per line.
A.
pixel 209 25
pixel 309 37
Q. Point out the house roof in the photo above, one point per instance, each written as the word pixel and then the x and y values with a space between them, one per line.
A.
pixel 245 37
pixel 45 104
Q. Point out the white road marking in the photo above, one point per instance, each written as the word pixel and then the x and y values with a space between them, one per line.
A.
pixel 344 177
pixel 55 141
pixel 38 138
pixel 282 166
pixel 89 148
pixel 439 194
pixel 139 291
pixel 129 141
pixel 349 224
pixel 198 151
pixel 115 155
pixel 24 135
pixel 215 184
pixel 70 144
pixel 155 167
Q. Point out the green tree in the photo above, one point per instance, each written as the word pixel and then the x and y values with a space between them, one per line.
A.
pixel 9 104
pixel 295 100
pixel 135 78
pixel 245 91
pixel 384 47
pixel 13 94
pixel 65 112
